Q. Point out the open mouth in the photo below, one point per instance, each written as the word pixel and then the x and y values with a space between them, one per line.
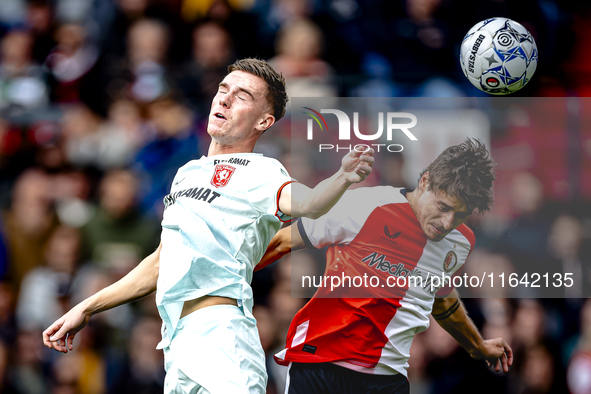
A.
pixel 219 116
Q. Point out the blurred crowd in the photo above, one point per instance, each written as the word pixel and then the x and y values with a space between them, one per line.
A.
pixel 101 101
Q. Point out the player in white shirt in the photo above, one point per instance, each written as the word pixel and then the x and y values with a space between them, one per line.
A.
pixel 220 216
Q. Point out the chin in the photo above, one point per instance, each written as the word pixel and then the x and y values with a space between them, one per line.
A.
pixel 436 237
pixel 214 131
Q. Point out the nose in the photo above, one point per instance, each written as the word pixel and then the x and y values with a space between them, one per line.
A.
pixel 225 101
pixel 448 220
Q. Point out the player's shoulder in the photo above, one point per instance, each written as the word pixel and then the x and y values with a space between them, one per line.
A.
pixel 362 201
pixel 468 234
pixel 378 195
pixel 261 160
pixel 268 168
pixel 192 165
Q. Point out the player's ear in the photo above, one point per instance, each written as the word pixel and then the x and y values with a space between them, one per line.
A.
pixel 424 182
pixel 265 122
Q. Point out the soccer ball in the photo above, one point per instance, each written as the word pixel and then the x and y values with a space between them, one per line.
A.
pixel 498 56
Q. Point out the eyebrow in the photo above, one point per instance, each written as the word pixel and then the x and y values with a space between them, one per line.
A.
pixel 225 85
pixel 445 206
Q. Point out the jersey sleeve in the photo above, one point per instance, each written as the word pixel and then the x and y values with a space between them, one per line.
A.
pixel 346 218
pixel 273 178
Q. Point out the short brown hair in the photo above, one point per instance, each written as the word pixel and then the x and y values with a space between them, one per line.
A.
pixel 276 94
pixel 464 171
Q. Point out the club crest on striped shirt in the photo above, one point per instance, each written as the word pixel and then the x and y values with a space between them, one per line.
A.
pixel 450 262
pixel 222 175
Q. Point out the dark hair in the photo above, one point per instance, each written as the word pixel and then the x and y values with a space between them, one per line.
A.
pixel 276 95
pixel 464 171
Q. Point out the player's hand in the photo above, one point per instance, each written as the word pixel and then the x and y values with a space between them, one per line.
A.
pixel 60 335
pixel 357 165
pixel 496 353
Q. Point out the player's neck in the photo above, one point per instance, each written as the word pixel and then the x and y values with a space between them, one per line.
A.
pixel 412 196
pixel 219 149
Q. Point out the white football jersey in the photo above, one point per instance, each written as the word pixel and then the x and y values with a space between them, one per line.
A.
pixel 220 216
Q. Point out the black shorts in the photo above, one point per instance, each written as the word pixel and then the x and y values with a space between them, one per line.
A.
pixel 327 378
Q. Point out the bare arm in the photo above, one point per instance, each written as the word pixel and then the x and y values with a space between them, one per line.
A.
pixel 298 200
pixel 286 240
pixel 450 313
pixel 138 283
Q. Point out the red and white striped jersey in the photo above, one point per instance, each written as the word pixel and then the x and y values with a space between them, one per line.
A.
pixel 372 231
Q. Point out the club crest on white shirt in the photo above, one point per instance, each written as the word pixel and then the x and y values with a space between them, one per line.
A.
pixel 222 175
pixel 450 262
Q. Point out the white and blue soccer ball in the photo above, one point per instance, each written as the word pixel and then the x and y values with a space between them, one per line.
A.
pixel 498 56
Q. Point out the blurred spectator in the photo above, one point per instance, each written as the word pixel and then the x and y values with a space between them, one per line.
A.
pixel 198 9
pixel 378 82
pixel 579 368
pixel 127 12
pixel 483 262
pixel 174 145
pixel 538 373
pixel 577 67
pixel 8 327
pixel 21 81
pixel 73 10
pixel 79 372
pixel 90 142
pixel 25 371
pixel 392 171
pixel 43 297
pixel 39 21
pixel 69 62
pixel 45 138
pixel 418 36
pixel 118 236
pixel 3 252
pixel 211 55
pixel 276 14
pixel 12 12
pixel 521 241
pixel 266 327
pixel 232 15
pixel 3 368
pixel 148 43
pixel 108 332
pixel 142 73
pixel 283 307
pixel 565 246
pixel 126 117
pixel 28 223
pixel 299 46
pixel 443 368
pixel 71 193
pixel 528 325
pixel 144 370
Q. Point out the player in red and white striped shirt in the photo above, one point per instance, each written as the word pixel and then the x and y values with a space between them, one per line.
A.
pixel 356 340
